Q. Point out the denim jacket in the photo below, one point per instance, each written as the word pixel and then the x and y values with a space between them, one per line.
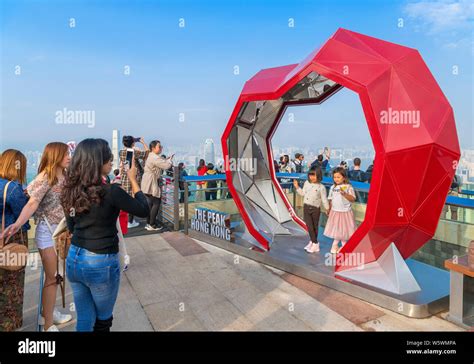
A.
pixel 16 200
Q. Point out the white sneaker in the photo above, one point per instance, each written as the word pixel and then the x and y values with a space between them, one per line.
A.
pixel 335 249
pixel 314 248
pixel 58 318
pixel 308 246
pixel 126 262
pixel 133 224
pixel 61 318
pixel 52 328
pixel 147 227
pixel 155 228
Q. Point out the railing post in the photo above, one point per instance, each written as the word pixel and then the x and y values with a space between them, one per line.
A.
pixel 294 195
pixel 176 198
pixel 186 202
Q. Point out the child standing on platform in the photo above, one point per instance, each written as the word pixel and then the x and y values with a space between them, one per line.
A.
pixel 314 194
pixel 341 223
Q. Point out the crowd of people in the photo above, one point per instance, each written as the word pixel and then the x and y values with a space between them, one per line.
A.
pixel 76 187
pixel 322 161
pixel 73 188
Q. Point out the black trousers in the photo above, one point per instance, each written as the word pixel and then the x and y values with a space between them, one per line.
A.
pixel 154 205
pixel 181 196
pixel 211 195
pixel 311 219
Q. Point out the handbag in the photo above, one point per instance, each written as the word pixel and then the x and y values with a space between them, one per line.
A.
pixel 8 251
pixel 62 241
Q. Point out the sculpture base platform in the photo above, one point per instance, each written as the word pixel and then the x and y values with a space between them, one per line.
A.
pixel 287 254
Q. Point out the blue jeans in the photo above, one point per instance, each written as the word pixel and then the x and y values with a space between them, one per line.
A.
pixel 95 281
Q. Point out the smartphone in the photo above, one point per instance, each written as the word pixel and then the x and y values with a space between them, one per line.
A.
pixel 129 157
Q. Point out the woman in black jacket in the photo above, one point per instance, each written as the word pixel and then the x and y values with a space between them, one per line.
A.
pixel 92 208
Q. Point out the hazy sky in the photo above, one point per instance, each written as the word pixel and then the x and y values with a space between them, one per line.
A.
pixel 190 69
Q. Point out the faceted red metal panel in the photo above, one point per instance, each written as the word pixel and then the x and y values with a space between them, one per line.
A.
pixel 414 163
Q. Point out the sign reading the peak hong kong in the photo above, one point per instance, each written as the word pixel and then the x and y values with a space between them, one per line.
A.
pixel 213 223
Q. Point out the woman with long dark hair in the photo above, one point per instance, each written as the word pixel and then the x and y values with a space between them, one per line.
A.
pixel 92 209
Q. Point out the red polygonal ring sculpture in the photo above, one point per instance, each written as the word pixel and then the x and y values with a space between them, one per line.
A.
pixel 410 121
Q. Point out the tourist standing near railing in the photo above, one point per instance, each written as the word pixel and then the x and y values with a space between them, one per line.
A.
pixel 323 163
pixel 454 190
pixel 44 205
pixel 285 167
pixel 341 222
pixel 12 283
pixel 369 172
pixel 154 167
pixel 357 174
pixel 297 166
pixel 181 174
pixel 92 209
pixel 314 194
pixel 138 155
pixel 211 194
pixel 201 171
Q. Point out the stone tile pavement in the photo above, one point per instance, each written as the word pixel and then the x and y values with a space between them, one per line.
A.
pixel 175 283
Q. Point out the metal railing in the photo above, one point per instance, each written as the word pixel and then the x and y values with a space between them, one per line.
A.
pixel 172 196
pixel 169 208
pixel 188 191
pixel 359 187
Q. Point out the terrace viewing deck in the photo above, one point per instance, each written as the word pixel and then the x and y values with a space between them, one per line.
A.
pixel 179 281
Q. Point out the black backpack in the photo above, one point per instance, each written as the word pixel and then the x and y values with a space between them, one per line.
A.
pixel 359 176
pixel 455 183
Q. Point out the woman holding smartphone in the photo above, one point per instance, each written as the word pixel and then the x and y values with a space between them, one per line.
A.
pixel 92 208
pixel 130 151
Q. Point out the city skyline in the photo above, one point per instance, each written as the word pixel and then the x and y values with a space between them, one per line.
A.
pixel 173 70
pixel 191 154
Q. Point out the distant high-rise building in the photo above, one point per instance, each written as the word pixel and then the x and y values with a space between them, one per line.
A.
pixel 115 147
pixel 209 153
pixel 196 162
